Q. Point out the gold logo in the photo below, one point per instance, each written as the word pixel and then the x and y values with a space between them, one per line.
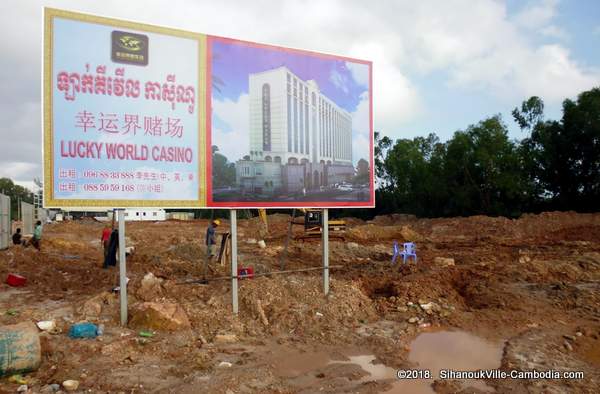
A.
pixel 130 43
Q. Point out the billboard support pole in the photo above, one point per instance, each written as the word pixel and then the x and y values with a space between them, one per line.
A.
pixel 234 278
pixel 122 268
pixel 325 241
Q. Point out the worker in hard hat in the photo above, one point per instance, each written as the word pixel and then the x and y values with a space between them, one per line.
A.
pixel 211 238
pixel 211 245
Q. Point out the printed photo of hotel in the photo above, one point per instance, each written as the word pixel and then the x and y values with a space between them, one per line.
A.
pixel 300 140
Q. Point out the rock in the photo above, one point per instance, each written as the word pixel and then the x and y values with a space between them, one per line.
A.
pixel 569 337
pixel 51 388
pixel 158 316
pixel 70 385
pixel 251 241
pixel 225 338
pixel 262 244
pixel 444 261
pixel 402 309
pixel 225 364
pixel 22 388
pixel 150 288
pixel 524 259
pixel 568 346
pixel 413 320
pixel 431 307
pixel 352 245
pixel 91 309
pixel 46 325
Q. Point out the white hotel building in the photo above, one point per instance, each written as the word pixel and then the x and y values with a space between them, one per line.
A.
pixel 299 138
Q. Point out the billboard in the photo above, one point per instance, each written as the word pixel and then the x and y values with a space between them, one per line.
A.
pixel 137 115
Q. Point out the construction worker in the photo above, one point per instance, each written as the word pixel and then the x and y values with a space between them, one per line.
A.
pixel 37 235
pixel 211 245
pixel 211 238
pixel 105 239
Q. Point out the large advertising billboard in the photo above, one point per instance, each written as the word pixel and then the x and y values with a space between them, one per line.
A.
pixel 138 115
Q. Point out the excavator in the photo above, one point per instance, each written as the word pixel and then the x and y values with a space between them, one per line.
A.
pixel 313 224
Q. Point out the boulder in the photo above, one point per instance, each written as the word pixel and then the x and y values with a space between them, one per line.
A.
pixel 150 288
pixel 92 308
pixel 70 385
pixel 158 316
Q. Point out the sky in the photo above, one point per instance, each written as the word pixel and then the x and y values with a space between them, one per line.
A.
pixel 438 66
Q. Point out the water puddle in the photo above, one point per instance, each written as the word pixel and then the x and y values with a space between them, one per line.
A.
pixel 456 350
pixel 433 351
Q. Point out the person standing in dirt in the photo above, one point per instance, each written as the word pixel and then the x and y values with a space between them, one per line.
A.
pixel 211 245
pixel 36 241
pixel 16 238
pixel 105 239
pixel 110 259
pixel 211 239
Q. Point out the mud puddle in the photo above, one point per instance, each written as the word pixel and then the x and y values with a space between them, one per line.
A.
pixel 432 351
pixel 455 350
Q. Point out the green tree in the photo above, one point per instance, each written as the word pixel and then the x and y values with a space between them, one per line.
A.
pixel 16 193
pixel 223 172
pixel 531 113
pixel 362 172
pixel 483 170
pixel 563 157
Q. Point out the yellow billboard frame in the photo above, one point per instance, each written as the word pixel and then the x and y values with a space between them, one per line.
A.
pixel 48 133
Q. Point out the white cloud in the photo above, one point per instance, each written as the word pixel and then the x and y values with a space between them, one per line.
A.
pixel 537 14
pixel 338 80
pixel 234 143
pixel 360 73
pixel 360 148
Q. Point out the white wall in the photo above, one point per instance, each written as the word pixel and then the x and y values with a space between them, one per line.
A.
pixel 5 235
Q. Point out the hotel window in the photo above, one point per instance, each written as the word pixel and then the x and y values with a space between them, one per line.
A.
pixel 314 99
pixel 289 77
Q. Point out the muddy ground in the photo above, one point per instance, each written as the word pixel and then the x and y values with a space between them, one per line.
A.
pixel 528 288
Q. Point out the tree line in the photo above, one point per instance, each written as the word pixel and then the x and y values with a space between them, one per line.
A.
pixel 480 170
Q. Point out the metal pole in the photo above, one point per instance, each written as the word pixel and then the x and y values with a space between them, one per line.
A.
pixel 325 241
pixel 122 268
pixel 234 279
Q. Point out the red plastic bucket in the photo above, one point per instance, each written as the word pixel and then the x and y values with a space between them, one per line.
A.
pixel 245 272
pixel 16 280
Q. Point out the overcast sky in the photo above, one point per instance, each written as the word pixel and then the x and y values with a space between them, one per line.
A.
pixel 438 65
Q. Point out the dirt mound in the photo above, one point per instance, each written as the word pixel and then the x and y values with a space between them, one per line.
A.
pixel 372 233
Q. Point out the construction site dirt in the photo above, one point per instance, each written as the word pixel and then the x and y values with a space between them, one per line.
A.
pixel 485 293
